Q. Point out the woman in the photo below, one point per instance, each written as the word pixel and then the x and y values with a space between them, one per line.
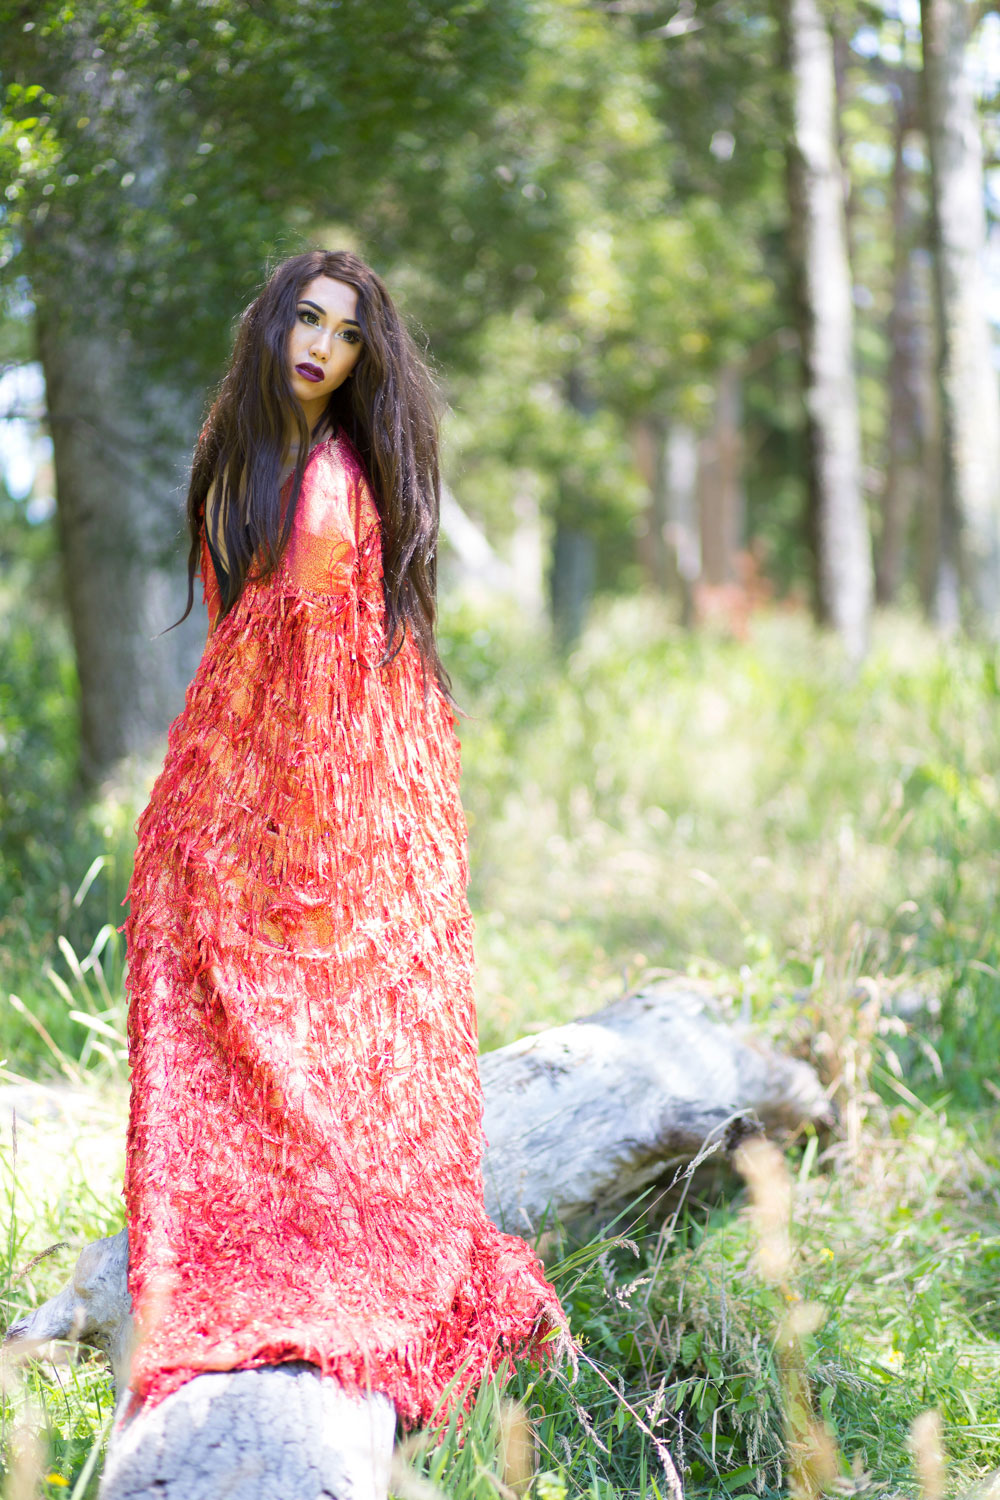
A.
pixel 303 1177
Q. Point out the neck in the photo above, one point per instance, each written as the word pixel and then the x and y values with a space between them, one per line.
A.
pixel 291 453
pixel 314 411
pixel 317 430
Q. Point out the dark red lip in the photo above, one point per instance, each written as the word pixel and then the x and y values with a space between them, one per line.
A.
pixel 310 372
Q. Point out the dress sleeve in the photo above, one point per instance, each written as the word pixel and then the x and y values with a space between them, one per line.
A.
pixel 323 545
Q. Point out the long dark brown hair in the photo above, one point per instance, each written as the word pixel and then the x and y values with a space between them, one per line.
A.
pixel 386 410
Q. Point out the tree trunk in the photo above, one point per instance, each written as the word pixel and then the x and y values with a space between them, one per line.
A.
pixel 121 445
pixel 932 575
pixel 571 581
pixel 722 502
pixel 574 552
pixel 970 401
pixel 818 250
pixel 666 455
pixel 648 435
pixel 841 31
pixel 122 434
pixel 681 492
pixel 904 477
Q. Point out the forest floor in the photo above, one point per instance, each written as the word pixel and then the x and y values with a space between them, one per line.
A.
pixel 819 850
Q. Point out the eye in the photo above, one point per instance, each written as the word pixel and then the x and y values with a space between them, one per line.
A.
pixel 350 335
pixel 308 316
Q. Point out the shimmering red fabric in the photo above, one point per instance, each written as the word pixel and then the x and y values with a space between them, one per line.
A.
pixel 303 1176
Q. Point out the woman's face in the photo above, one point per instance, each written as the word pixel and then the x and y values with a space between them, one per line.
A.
pixel 324 343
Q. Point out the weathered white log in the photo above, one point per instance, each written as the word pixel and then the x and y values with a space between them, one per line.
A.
pixel 578 1118
pixel 584 1116
pixel 257 1434
pixel 93 1308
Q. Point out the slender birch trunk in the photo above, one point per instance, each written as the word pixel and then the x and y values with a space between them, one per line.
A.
pixel 666 455
pixel 905 480
pixel 818 246
pixel 681 487
pixel 573 567
pixel 970 397
pixel 648 434
pixel 722 501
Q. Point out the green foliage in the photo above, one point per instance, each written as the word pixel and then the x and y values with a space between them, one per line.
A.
pixel 61 859
pixel 58 1185
pixel 37 716
pixel 745 812
pixel 180 144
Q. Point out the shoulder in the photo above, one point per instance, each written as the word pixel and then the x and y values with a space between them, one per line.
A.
pixel 346 454
pixel 326 500
pixel 364 509
pixel 335 504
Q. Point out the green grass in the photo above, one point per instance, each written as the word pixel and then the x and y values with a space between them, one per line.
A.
pixel 742 812
pixel 823 853
pixel 61 1177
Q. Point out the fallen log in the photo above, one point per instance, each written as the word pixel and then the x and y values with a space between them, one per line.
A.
pixel 577 1118
pixel 93 1308
pixel 256 1434
pixel 582 1117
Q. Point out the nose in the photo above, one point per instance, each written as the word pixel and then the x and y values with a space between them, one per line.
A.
pixel 320 347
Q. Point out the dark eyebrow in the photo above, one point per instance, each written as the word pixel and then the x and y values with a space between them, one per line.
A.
pixel 304 302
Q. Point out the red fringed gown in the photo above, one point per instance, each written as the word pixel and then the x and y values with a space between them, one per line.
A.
pixel 303 1175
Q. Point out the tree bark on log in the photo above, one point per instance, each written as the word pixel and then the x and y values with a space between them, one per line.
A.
pixel 581 1118
pixel 256 1434
pixel 578 1119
